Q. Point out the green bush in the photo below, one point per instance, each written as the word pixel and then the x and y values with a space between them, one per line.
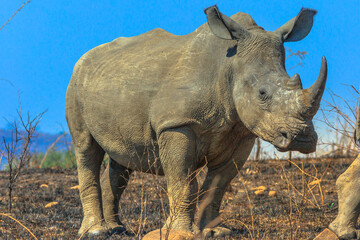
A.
pixel 59 159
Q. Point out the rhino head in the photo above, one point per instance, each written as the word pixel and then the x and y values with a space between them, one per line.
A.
pixel 269 102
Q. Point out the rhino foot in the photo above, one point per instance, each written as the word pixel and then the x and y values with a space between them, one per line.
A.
pixel 92 228
pixel 117 230
pixel 348 236
pixel 343 232
pixel 94 233
pixel 216 232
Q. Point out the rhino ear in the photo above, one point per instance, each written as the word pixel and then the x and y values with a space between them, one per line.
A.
pixel 222 26
pixel 298 27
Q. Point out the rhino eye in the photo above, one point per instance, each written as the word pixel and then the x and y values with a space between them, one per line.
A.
pixel 263 94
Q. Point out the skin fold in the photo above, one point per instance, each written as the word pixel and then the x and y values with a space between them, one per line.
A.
pixel 169 105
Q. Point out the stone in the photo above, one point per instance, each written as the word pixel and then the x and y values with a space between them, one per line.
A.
pixel 327 234
pixel 272 193
pixel 49 205
pixel 261 188
pixel 173 235
pixel 259 192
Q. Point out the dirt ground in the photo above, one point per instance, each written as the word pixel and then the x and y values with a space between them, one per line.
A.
pixel 304 202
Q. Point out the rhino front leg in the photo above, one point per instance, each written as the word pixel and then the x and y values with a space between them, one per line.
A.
pixel 213 190
pixel 214 187
pixel 178 160
pixel 113 182
pixel 348 190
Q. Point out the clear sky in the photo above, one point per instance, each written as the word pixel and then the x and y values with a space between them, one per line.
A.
pixel 41 44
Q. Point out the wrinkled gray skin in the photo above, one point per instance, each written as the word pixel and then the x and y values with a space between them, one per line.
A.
pixel 168 104
pixel 348 190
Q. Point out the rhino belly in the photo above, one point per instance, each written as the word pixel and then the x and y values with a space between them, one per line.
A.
pixel 119 122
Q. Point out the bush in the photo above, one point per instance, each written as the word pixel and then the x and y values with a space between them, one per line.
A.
pixel 55 159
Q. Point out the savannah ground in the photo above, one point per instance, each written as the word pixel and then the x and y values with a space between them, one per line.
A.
pixel 304 203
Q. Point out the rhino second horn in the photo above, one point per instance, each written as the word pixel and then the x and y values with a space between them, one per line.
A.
pixel 295 82
pixel 312 95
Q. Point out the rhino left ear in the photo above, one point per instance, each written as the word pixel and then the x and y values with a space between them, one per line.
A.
pixel 224 27
pixel 298 27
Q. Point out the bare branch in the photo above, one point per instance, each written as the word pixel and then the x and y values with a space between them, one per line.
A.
pixel 299 54
pixel 8 81
pixel 18 156
pixel 14 14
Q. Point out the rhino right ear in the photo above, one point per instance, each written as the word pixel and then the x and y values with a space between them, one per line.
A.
pixel 298 27
pixel 224 27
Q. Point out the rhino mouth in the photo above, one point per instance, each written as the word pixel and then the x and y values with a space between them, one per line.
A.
pixel 304 144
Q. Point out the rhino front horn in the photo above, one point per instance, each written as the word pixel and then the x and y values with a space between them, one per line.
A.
pixel 312 95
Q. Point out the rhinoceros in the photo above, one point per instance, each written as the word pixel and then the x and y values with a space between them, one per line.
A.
pixel 169 105
pixel 348 190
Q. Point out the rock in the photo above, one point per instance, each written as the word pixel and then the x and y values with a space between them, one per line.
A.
pixel 327 234
pixel 173 235
pixel 263 188
pixel 272 193
pixel 51 204
pixel 259 192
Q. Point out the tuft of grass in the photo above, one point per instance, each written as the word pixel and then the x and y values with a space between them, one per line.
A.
pixel 55 159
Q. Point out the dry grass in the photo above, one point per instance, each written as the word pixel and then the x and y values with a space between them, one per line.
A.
pixel 304 204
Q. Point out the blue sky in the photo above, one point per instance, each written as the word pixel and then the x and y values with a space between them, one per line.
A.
pixel 40 46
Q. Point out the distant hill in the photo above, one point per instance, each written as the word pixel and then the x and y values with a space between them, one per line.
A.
pixel 41 141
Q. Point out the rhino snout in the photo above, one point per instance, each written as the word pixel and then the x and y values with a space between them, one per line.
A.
pixel 303 143
pixel 282 142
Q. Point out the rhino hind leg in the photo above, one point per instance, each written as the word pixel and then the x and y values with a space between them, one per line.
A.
pixel 348 189
pixel 113 182
pixel 89 156
pixel 178 159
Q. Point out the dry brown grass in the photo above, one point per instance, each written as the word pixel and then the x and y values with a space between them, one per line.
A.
pixel 304 204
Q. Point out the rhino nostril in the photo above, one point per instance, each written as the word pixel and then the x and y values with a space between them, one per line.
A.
pixel 282 142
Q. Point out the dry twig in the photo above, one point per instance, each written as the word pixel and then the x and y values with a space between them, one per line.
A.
pixel 23 5
pixel 6 215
